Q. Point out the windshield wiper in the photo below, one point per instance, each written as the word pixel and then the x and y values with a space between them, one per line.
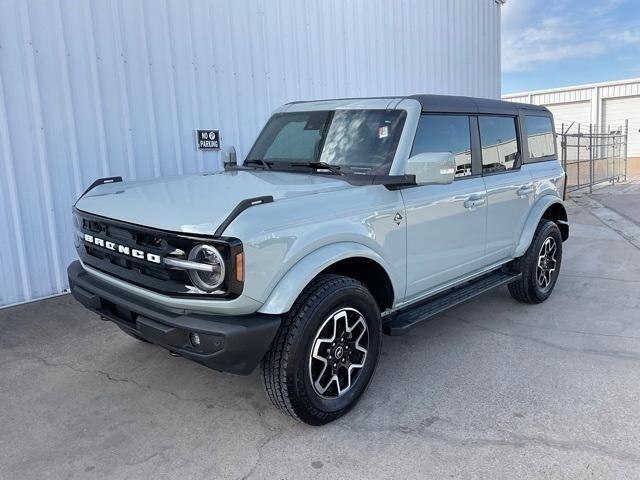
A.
pixel 335 169
pixel 258 161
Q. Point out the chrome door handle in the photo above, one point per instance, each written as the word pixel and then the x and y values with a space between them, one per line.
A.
pixel 475 201
pixel 525 190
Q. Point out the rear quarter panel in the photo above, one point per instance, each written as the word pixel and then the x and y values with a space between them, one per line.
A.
pixel 548 178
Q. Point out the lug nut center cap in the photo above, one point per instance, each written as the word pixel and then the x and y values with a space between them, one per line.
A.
pixel 338 352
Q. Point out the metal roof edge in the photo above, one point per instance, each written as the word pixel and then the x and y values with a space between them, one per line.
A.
pixel 573 87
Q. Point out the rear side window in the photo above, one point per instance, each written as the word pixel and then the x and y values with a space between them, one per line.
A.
pixel 539 136
pixel 445 133
pixel 499 143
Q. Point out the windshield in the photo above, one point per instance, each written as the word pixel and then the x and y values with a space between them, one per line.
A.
pixel 353 141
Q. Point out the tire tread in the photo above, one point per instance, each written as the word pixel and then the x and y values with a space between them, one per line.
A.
pixel 523 289
pixel 276 361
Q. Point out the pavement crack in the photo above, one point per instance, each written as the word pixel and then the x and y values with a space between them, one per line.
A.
pixel 110 377
pixel 147 458
pixel 570 445
pixel 619 354
pixel 417 429
pixel 270 437
pixel 597 277
pixel 578 332
pixel 504 438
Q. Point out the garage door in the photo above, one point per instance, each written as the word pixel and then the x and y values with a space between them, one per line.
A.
pixel 572 114
pixel 579 112
pixel 616 110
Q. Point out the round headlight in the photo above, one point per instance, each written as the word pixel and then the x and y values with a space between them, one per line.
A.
pixel 207 280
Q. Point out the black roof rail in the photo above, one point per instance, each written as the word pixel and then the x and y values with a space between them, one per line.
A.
pixel 434 103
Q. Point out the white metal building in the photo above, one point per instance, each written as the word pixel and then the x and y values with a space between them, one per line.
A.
pixel 606 105
pixel 118 87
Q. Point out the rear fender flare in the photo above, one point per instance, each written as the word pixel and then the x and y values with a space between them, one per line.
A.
pixel 536 213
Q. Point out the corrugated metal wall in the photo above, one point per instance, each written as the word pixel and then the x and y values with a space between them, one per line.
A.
pixel 91 89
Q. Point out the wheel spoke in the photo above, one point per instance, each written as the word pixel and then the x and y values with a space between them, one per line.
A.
pixel 547 263
pixel 321 389
pixel 359 347
pixel 336 357
pixel 541 278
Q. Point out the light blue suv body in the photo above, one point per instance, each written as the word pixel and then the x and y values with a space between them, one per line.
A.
pixel 445 190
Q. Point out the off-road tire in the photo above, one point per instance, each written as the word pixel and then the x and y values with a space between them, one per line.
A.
pixel 285 367
pixel 527 288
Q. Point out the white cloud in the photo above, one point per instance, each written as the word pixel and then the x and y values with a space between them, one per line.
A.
pixel 563 30
pixel 605 7
pixel 630 37
pixel 553 40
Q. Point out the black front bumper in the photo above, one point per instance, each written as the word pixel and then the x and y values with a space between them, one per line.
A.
pixel 232 344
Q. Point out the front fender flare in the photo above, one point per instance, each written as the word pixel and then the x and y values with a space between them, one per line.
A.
pixel 290 286
pixel 536 213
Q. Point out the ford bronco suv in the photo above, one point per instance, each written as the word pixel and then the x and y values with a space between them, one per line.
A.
pixel 348 219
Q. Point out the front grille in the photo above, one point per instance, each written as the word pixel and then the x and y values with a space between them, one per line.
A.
pixel 159 243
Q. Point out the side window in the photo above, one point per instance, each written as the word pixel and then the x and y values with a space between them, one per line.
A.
pixel 499 143
pixel 445 133
pixel 539 136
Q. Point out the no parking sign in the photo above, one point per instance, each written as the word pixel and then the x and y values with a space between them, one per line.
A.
pixel 208 139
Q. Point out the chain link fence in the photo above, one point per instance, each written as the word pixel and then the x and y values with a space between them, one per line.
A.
pixel 593 154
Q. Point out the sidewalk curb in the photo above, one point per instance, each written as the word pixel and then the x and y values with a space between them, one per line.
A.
pixel 622 225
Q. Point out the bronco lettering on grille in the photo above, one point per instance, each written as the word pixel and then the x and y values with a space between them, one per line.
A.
pixel 123 249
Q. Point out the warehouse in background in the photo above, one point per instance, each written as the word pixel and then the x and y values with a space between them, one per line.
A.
pixel 607 107
pixel 96 89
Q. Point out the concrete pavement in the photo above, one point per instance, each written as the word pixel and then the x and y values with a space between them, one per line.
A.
pixel 491 389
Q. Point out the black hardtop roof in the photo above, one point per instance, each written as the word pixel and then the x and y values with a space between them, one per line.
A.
pixel 458 104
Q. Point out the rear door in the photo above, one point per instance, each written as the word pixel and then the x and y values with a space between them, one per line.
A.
pixel 446 224
pixel 510 188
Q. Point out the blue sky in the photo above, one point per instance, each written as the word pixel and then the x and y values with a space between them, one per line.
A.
pixel 555 43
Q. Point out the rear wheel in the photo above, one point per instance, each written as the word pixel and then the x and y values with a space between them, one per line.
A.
pixel 540 265
pixel 325 352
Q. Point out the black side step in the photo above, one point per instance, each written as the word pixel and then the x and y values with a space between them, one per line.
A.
pixel 400 322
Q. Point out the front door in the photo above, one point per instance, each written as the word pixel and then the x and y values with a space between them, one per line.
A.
pixel 446 224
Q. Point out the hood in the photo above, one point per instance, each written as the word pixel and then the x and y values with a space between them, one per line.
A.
pixel 197 203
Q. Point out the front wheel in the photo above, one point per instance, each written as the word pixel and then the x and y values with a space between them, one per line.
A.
pixel 540 265
pixel 325 352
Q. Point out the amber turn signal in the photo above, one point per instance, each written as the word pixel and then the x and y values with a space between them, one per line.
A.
pixel 240 267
